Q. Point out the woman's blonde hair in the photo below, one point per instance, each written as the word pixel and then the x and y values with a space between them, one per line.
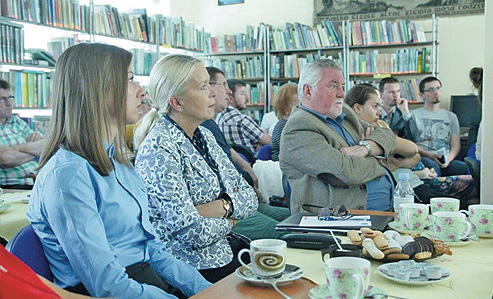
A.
pixel 90 91
pixel 283 102
pixel 168 78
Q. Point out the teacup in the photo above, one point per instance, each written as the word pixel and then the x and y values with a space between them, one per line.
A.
pixel 413 216
pixel 451 226
pixel 268 257
pixel 443 204
pixel 347 277
pixel 481 218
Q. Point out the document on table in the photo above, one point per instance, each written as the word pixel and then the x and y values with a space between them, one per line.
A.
pixel 17 196
pixel 354 221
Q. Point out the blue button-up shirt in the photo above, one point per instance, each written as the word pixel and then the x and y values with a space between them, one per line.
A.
pixel 92 227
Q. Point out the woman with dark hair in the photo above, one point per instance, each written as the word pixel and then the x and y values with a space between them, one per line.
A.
pixel 88 206
pixel 476 77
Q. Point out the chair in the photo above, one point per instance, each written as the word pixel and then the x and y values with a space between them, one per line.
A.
pixel 474 165
pixel 264 153
pixel 241 149
pixel 27 247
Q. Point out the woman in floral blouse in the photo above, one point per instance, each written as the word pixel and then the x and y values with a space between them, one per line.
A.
pixel 195 193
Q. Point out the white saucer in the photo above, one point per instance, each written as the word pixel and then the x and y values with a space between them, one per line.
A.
pixel 4 207
pixel 400 229
pixel 421 280
pixel 487 236
pixel 290 273
pixel 461 243
pixel 321 292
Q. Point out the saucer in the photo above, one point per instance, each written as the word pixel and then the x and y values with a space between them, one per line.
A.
pixel 421 280
pixel 400 229
pixel 460 243
pixel 290 273
pixel 487 236
pixel 4 207
pixel 322 292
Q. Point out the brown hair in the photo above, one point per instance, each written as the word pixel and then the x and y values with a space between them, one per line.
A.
pixel 90 90
pixel 283 102
pixel 476 77
pixel 359 94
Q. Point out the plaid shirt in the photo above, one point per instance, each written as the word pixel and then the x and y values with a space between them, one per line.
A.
pixel 15 131
pixel 239 128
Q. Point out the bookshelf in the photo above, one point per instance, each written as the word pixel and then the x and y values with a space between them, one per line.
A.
pixel 400 48
pixel 67 22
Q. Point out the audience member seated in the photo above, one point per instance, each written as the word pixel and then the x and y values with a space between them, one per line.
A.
pixel 366 103
pixel 196 196
pixel 394 110
pixel 476 77
pixel 19 145
pixel 88 206
pixel 286 98
pixel 435 131
pixel 262 224
pixel 269 121
pixel 237 127
pixel 326 153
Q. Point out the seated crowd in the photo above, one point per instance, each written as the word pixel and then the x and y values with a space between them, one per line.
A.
pixel 175 223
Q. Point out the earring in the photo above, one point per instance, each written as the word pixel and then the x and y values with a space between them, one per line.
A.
pixel 180 108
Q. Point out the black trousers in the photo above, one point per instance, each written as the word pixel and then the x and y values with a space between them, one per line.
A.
pixel 142 273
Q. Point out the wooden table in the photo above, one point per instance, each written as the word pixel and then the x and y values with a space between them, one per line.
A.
pixel 234 287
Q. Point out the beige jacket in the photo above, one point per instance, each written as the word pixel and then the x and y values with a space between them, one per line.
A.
pixel 317 172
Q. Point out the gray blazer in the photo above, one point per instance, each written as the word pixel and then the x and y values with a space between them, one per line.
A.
pixel 318 173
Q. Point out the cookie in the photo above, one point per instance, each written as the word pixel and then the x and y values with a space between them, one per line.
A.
pixel 397 256
pixel 391 250
pixel 354 237
pixel 381 242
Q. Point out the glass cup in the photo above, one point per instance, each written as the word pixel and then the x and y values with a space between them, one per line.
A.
pixel 268 257
pixel 347 277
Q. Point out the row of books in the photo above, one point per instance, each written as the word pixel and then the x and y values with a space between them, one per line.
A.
pixel 32 89
pixel 174 32
pixel 60 13
pixel 385 32
pixel 256 93
pixel 403 61
pixel 300 36
pixel 289 66
pixel 252 40
pixel 143 61
pixel 134 25
pixel 11 42
pixel 241 68
pixel 409 88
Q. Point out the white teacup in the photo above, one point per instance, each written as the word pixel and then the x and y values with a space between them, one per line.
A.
pixel 443 204
pixel 413 216
pixel 268 257
pixel 347 277
pixel 451 226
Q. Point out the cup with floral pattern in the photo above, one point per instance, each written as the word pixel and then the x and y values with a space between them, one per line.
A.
pixel 347 277
pixel 414 216
pixel 481 218
pixel 451 226
pixel 442 204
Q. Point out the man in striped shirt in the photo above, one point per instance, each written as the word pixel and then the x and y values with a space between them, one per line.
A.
pixel 19 145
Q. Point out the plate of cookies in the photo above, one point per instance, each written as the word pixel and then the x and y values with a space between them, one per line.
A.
pixel 391 246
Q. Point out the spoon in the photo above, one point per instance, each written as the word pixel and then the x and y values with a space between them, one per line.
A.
pixel 337 242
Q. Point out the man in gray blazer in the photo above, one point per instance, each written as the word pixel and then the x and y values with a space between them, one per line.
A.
pixel 327 154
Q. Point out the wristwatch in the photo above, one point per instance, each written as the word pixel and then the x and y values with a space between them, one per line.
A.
pixel 227 207
pixel 367 145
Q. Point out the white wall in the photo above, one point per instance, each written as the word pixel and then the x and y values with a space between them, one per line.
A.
pixel 487 138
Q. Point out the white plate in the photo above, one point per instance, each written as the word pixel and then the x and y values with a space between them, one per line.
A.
pixel 321 292
pixel 4 207
pixel 290 273
pixel 398 228
pixel 429 234
pixel 421 280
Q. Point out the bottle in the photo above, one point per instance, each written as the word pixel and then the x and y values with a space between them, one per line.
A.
pixel 403 193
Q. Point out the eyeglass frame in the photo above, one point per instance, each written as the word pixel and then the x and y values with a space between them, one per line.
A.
pixel 432 89
pixel 224 85
pixel 10 98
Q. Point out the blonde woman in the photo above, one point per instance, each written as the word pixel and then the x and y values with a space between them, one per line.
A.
pixel 88 206
pixel 195 193
pixel 286 99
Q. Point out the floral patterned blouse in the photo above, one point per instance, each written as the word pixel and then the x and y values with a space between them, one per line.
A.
pixel 178 178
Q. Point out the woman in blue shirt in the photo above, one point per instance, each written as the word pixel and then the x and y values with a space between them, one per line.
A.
pixel 195 193
pixel 88 206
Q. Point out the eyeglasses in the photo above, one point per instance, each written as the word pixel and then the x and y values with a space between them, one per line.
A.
pixel 224 85
pixel 431 89
pixel 3 100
